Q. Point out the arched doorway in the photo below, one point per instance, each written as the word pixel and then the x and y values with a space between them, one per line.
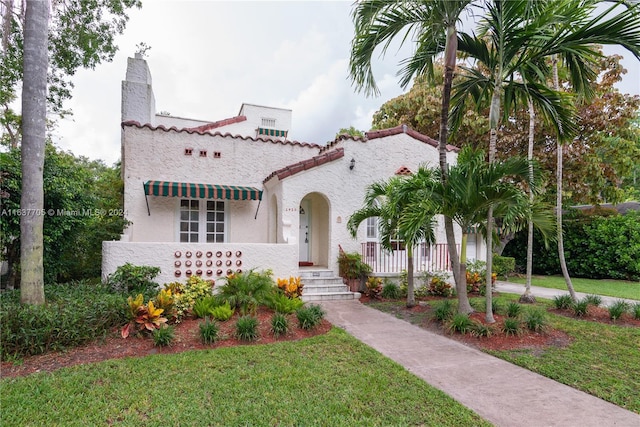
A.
pixel 314 230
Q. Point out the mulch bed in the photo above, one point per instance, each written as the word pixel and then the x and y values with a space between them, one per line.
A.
pixel 187 337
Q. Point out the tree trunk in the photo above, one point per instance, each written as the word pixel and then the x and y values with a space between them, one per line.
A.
pixel 494 115
pixel 451 47
pixel 34 112
pixel 528 297
pixel 411 296
pixel 559 234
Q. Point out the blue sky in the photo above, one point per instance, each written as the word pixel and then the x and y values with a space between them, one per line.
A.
pixel 208 57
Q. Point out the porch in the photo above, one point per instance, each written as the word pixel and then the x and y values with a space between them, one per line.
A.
pixel 426 257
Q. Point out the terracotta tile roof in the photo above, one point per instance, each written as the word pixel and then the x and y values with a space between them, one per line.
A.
pixel 388 132
pixel 326 157
pixel 404 171
pixel 227 134
pixel 220 123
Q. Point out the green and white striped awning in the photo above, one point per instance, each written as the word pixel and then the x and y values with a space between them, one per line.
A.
pixel 201 191
pixel 272 132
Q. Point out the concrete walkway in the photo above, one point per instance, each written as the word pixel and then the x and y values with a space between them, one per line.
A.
pixel 502 393
pixel 548 293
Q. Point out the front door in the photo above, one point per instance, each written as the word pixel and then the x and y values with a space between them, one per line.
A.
pixel 305 231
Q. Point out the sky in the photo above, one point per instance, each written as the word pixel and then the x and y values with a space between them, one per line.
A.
pixel 208 57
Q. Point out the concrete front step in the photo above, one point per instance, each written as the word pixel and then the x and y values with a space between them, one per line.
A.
pixel 331 296
pixel 324 285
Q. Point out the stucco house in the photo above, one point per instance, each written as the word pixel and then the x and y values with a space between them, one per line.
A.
pixel 210 198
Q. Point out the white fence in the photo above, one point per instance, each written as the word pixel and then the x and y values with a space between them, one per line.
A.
pixel 425 257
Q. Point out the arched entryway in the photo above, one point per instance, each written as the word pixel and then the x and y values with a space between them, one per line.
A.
pixel 314 230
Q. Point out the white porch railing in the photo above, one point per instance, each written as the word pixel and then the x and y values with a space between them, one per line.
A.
pixel 425 257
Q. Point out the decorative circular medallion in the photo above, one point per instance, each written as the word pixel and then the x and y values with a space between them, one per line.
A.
pixel 177 254
pixel 228 254
pixel 228 262
pixel 218 263
pixel 177 263
pixel 188 273
pixel 187 263
pixel 198 272
pixel 209 263
pixel 218 254
pixel 187 254
pixel 177 273
pixel 238 254
pixel 229 272
pixel 198 263
pixel 209 254
pixel 238 263
pixel 239 271
pixel 209 272
pixel 198 254
pixel 219 272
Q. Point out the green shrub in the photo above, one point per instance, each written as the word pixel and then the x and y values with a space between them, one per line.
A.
pixel 133 279
pixel 443 311
pixel 222 312
pixel 246 291
pixel 495 305
pixel 513 309
pixel 437 286
pixel 562 302
pixel 247 328
pixel 617 309
pixel 511 326
pixel 279 324
pixel 580 307
pixel 601 247
pixel 535 320
pixel 391 291
pixel 204 306
pixel 373 287
pixel 635 310
pixel 310 316
pixel 281 303
pixel 594 300
pixel 163 337
pixel 503 266
pixel 481 330
pixel 75 313
pixel 460 323
pixel 209 331
pixel 185 295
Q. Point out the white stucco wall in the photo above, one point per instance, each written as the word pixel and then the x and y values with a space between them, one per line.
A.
pixel 375 160
pixel 160 155
pixel 281 259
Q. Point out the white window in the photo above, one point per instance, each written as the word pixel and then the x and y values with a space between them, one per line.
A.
pixel 372 227
pixel 202 221
pixel 268 122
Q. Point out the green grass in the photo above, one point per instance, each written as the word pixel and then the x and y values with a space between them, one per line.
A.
pixel 602 360
pixel 612 288
pixel 328 380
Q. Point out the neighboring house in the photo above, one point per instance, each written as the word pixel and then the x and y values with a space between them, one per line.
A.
pixel 211 198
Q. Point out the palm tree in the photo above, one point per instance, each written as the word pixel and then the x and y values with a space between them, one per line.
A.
pixel 472 187
pixel 387 201
pixel 433 25
pixel 34 113
pixel 516 38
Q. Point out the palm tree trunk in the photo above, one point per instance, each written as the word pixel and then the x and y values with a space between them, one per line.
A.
pixel 563 263
pixel 411 296
pixel 494 115
pixel 34 112
pixel 528 297
pixel 450 50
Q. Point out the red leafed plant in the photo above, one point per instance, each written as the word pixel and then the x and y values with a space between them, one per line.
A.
pixel 144 317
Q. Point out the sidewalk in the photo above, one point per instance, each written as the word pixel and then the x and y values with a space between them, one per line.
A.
pixel 502 393
pixel 548 293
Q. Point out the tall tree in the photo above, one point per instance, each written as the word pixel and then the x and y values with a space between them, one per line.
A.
pixel 34 116
pixel 433 24
pixel 388 201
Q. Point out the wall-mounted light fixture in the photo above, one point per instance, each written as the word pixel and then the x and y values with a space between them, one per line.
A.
pixel 352 163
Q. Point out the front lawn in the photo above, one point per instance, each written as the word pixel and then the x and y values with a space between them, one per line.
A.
pixel 608 287
pixel 328 380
